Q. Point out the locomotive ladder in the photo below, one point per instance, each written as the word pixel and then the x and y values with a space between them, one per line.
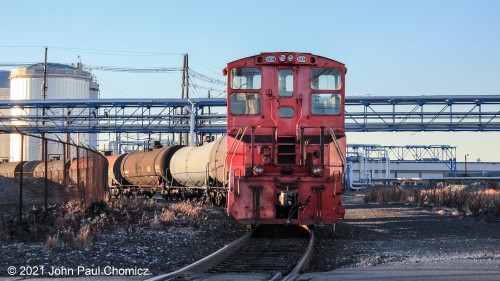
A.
pixel 286 150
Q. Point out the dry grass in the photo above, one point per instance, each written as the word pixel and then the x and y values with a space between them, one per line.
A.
pixel 73 226
pixel 82 239
pixel 52 242
pixel 167 216
pixel 468 200
pixel 186 210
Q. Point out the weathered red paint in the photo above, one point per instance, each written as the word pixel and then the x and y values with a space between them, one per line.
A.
pixel 256 139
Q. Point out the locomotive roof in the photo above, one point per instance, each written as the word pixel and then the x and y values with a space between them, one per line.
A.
pixel 277 53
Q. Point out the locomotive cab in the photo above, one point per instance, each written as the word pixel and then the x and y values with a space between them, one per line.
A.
pixel 285 140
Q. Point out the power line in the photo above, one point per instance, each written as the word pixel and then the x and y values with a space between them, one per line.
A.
pixel 209 66
pixel 112 52
pixel 113 89
pixel 134 69
pixel 206 78
pixel 21 46
pixel 194 86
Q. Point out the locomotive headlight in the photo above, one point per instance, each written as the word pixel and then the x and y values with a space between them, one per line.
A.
pixel 258 170
pixel 282 58
pixel 316 171
pixel 290 58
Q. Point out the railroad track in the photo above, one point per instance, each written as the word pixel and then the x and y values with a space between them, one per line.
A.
pixel 281 253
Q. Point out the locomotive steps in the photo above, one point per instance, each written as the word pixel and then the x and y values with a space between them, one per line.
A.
pixel 266 253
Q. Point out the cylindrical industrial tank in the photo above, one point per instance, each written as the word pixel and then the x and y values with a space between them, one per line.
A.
pixel 55 170
pixel 63 82
pixel 114 173
pixel 148 168
pixel 193 166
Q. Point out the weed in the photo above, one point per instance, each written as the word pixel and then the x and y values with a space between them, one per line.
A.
pixel 52 242
pixel 469 200
pixel 186 210
pixel 155 222
pixel 83 238
pixel 167 216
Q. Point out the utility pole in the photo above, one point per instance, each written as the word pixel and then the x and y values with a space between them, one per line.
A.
pixel 185 92
pixel 21 175
pixel 186 67
pixel 44 140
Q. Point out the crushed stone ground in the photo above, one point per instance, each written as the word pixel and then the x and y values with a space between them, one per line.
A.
pixel 370 235
pixel 376 234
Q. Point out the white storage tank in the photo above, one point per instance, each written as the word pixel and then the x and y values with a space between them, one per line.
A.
pixel 4 95
pixel 63 82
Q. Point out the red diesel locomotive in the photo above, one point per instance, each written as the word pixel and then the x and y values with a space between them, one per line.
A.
pixel 283 158
pixel 286 143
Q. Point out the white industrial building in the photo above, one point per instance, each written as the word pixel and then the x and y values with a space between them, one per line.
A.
pixel 62 82
pixel 365 172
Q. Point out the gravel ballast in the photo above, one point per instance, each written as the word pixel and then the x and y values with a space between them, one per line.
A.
pixel 370 235
pixel 377 234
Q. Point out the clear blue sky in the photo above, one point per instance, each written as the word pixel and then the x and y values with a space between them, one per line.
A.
pixel 398 47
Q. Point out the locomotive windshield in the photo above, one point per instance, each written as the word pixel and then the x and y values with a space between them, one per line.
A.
pixel 245 103
pixel 245 78
pixel 326 79
pixel 325 104
pixel 248 102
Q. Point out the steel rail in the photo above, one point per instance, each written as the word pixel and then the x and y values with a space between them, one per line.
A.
pixel 208 261
pixel 303 263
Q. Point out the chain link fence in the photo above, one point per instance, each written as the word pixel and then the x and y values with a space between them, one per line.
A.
pixel 41 172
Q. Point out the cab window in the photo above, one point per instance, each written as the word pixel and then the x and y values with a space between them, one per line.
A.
pixel 245 78
pixel 285 112
pixel 285 83
pixel 245 103
pixel 325 104
pixel 326 79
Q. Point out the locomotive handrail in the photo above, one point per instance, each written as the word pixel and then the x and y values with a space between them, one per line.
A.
pixel 337 146
pixel 299 131
pixel 229 151
pixel 272 112
pixel 236 149
pixel 237 177
pixel 342 158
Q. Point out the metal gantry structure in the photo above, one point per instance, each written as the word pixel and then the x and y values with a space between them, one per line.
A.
pixel 423 113
pixel 208 116
pixel 362 114
pixel 405 153
pixel 110 115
